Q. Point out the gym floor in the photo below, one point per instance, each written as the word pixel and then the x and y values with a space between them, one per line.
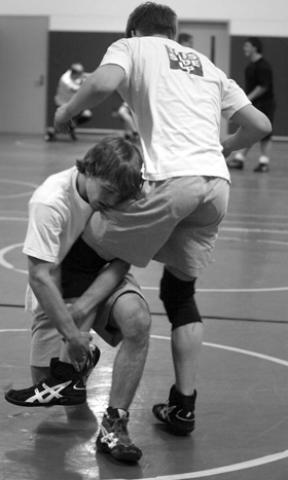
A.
pixel 241 414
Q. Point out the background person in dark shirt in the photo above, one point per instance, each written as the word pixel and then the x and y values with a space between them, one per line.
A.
pixel 259 89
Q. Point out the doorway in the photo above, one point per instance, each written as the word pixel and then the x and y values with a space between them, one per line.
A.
pixel 213 40
pixel 23 64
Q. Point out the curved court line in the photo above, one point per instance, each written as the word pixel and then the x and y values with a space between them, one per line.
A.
pixel 14 219
pixel 9 330
pixel 18 182
pixel 235 467
pixel 256 462
pixel 229 290
pixel 4 262
pixel 253 230
pixel 255 222
pixel 256 240
pixel 243 351
pixel 271 190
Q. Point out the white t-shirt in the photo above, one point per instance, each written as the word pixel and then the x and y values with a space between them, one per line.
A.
pixel 67 87
pixel 57 216
pixel 178 96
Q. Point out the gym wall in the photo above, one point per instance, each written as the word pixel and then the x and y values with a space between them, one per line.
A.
pixel 89 48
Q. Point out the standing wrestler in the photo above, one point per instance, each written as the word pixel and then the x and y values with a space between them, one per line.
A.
pixel 260 90
pixel 177 95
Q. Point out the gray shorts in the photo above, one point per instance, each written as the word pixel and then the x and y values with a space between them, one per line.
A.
pixel 46 341
pixel 175 222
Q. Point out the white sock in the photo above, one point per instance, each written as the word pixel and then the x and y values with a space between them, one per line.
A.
pixel 122 412
pixel 239 156
pixel 264 160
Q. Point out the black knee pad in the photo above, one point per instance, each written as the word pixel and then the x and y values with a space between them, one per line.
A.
pixel 178 299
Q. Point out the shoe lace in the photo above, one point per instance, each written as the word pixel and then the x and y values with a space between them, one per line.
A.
pixel 120 430
pixel 166 410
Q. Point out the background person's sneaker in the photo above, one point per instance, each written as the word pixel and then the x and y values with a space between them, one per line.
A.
pixel 114 438
pixel 64 386
pixel 261 168
pixel 235 164
pixel 72 133
pixel 50 135
pixel 178 412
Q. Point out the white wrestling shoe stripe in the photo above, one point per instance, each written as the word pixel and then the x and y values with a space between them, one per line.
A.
pixel 48 393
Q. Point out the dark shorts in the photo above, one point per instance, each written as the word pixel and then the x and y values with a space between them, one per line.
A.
pixel 268 108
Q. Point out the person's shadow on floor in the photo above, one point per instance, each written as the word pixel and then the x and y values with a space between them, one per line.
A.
pixel 57 449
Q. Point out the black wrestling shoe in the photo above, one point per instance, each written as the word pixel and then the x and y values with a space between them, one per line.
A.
pixel 114 438
pixel 235 164
pixel 72 133
pixel 50 135
pixel 177 412
pixel 91 362
pixel 261 168
pixel 64 386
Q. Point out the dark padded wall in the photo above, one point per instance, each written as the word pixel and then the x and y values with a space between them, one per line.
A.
pixel 87 48
pixel 275 50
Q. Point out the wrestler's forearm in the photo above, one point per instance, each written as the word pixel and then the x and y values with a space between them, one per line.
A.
pixel 102 287
pixel 96 88
pixel 51 301
pixel 253 125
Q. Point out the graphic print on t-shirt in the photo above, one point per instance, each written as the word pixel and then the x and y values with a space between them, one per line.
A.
pixel 188 62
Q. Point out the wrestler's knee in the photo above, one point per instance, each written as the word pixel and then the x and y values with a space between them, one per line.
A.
pixel 135 319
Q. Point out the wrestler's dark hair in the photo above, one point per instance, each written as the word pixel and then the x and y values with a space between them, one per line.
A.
pixel 118 161
pixel 184 37
pixel 256 42
pixel 152 18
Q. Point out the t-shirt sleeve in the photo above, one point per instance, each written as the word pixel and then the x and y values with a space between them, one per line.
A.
pixel 43 235
pixel 233 97
pixel 119 54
